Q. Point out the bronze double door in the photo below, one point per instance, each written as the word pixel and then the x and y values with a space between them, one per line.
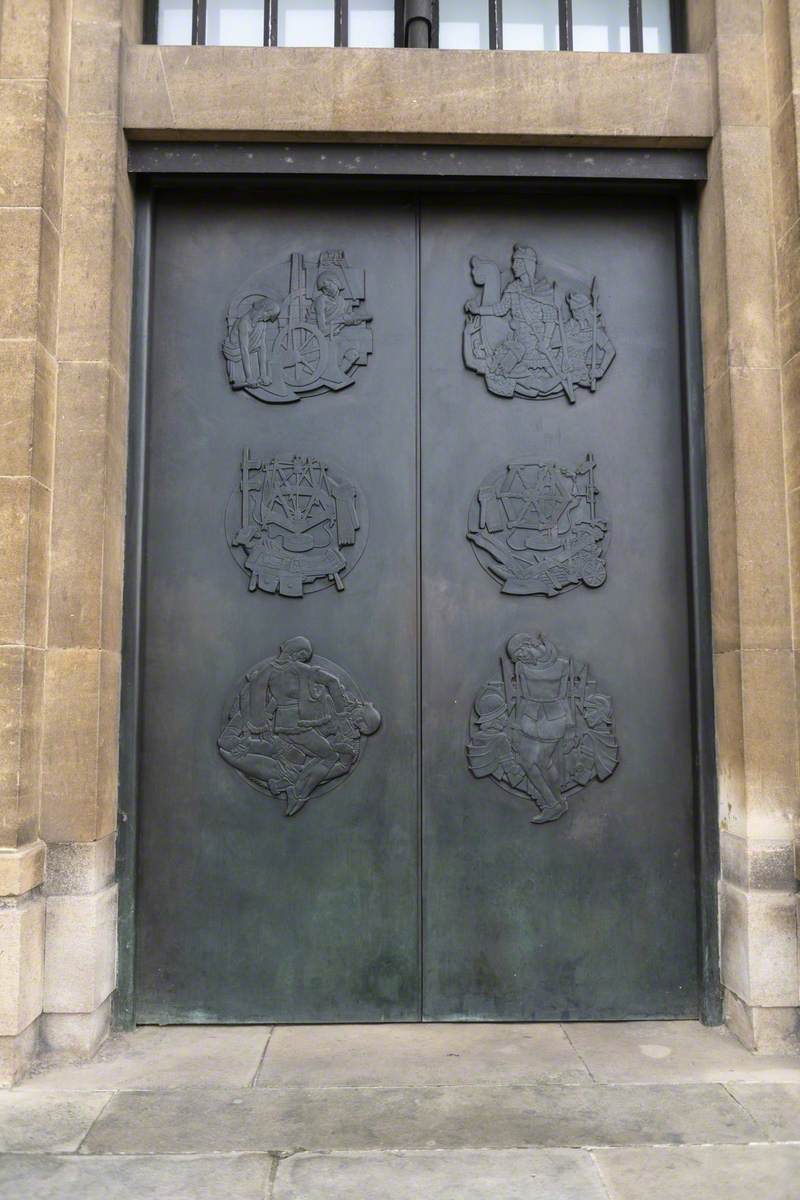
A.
pixel 492 628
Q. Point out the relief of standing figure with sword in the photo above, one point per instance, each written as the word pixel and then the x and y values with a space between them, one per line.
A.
pixel 531 336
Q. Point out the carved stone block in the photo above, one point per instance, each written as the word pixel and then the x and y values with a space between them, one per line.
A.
pixel 542 729
pixel 539 528
pixel 295 725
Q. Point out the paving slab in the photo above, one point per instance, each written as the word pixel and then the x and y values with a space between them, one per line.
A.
pixel 53 1177
pixel 290 1119
pixel 156 1057
pixel 47 1121
pixel 775 1107
pixel 673 1052
pixel 441 1175
pixel 413 1055
pixel 702 1173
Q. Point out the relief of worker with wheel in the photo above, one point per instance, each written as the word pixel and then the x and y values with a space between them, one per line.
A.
pixel 298 328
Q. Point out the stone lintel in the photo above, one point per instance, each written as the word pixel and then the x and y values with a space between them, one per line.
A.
pixel 330 93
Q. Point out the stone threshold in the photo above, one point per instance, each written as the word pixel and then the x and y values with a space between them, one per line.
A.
pixel 399 1112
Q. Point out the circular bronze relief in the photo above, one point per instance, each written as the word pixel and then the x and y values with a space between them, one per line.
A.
pixel 295 524
pixel 540 528
pixel 298 328
pixel 541 729
pixel 294 725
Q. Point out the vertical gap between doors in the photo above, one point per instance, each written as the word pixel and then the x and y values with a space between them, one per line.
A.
pixel 418 522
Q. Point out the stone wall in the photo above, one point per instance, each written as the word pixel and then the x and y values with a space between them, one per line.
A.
pixel 66 231
pixel 74 83
pixel 745 212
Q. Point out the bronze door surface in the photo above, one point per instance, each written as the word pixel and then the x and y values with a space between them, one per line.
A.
pixel 591 915
pixel 243 913
pixel 416 720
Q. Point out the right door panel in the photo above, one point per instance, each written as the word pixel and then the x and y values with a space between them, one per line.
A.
pixel 592 914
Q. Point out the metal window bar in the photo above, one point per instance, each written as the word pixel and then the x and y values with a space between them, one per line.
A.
pixel 495 24
pixel 340 8
pixel 635 26
pixel 198 22
pixel 565 24
pixel 270 22
pixel 417 23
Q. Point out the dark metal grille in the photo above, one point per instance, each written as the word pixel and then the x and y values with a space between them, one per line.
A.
pixel 416 23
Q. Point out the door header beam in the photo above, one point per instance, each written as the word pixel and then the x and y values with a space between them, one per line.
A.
pixel 416 164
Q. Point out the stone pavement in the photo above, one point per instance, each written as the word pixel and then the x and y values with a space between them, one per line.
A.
pixel 661 1110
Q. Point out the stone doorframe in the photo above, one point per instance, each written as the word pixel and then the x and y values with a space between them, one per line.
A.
pixel 78 83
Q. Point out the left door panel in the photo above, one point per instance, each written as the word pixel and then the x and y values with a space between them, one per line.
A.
pixel 245 914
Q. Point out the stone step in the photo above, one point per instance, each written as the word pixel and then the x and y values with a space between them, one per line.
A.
pixel 287 1120
pixel 730 1172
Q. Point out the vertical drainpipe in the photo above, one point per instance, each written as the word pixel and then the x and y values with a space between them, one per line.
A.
pixel 418 24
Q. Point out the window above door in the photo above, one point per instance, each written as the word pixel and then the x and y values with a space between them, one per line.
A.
pixel 649 26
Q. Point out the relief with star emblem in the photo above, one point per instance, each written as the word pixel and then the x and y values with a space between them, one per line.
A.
pixel 539 528
pixel 295 524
